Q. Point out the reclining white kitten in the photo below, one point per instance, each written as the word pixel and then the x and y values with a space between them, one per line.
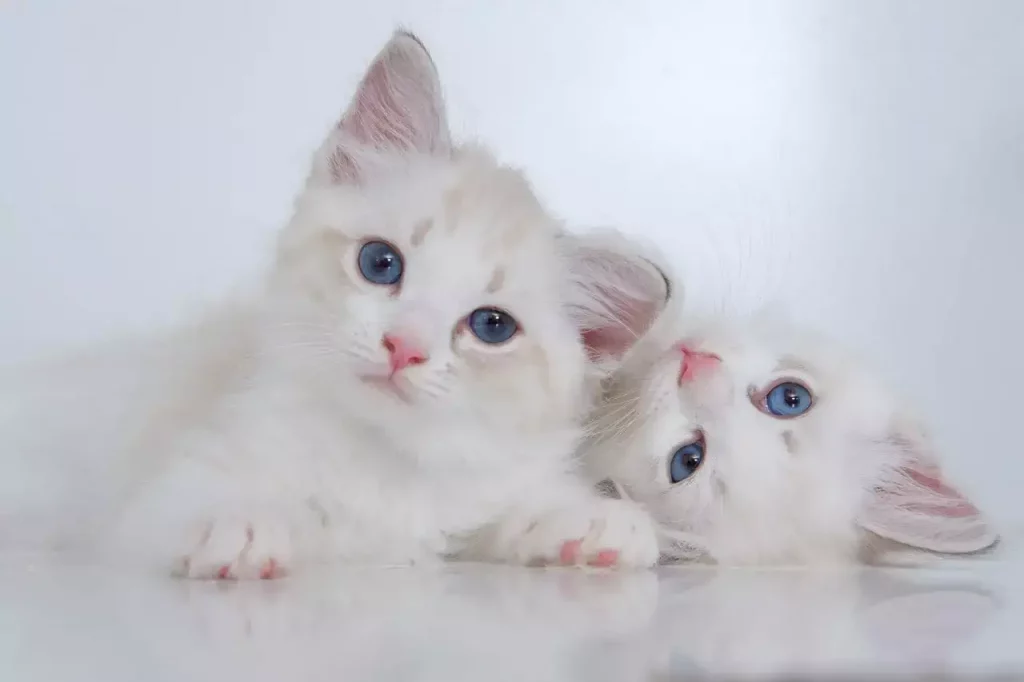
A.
pixel 752 442
pixel 409 384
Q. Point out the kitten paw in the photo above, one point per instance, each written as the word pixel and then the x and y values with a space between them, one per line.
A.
pixel 237 549
pixel 605 533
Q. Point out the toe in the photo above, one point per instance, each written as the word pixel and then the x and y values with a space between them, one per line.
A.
pixel 605 558
pixel 570 552
pixel 271 569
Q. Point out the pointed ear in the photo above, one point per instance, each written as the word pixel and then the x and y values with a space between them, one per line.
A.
pixel 616 292
pixel 398 109
pixel 917 506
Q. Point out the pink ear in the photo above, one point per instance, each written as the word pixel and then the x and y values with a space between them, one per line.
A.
pixel 617 293
pixel 397 108
pixel 614 335
pixel 915 505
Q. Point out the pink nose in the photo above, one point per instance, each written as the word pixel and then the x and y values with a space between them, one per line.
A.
pixel 402 352
pixel 695 362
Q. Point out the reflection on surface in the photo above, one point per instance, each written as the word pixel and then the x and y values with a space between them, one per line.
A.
pixel 485 623
pixel 788 621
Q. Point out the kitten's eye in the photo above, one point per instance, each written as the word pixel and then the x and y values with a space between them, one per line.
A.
pixel 788 399
pixel 686 460
pixel 380 263
pixel 493 326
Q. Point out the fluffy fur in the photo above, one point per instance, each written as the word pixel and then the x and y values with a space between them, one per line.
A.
pixel 275 432
pixel 852 476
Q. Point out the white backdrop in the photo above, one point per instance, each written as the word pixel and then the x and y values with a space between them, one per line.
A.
pixel 860 160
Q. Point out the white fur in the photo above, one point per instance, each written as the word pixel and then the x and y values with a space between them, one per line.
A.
pixel 257 439
pixel 848 467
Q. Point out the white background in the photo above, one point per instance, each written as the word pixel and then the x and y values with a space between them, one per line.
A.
pixel 861 161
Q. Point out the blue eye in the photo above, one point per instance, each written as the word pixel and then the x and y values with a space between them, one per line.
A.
pixel 491 325
pixel 788 399
pixel 380 263
pixel 686 460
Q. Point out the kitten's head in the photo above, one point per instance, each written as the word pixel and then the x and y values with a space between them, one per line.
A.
pixel 751 442
pixel 426 283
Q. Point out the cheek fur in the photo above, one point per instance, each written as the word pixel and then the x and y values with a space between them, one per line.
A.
pixel 689 505
pixel 519 380
pixel 360 324
pixel 315 270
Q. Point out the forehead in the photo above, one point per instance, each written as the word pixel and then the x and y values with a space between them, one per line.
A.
pixel 483 232
pixel 463 227
pixel 465 256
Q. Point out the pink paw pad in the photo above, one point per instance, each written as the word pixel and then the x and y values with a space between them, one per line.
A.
pixel 271 570
pixel 224 573
pixel 570 552
pixel 605 558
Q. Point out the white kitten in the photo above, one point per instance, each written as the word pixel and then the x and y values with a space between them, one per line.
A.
pixel 751 442
pixel 408 385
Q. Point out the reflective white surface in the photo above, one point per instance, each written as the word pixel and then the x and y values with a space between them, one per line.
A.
pixel 472 622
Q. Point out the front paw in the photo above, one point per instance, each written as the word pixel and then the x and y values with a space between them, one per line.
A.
pixel 237 548
pixel 601 533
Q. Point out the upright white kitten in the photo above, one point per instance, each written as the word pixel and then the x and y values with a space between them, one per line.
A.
pixel 752 442
pixel 409 384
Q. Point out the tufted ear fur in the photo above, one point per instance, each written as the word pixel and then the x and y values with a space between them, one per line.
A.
pixel 915 505
pixel 398 109
pixel 616 292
